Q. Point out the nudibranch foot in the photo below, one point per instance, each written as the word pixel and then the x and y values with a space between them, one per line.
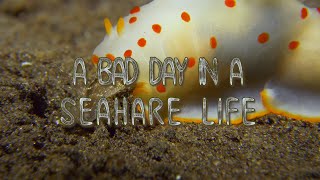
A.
pixel 296 103
pixel 228 105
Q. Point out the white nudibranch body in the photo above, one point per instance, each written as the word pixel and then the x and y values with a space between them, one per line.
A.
pixel 277 42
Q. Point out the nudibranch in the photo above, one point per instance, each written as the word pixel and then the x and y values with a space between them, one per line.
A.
pixel 277 41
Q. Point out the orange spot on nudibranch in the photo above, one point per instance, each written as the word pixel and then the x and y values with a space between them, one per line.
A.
pixel 95 59
pixel 318 10
pixel 139 108
pixel 142 42
pixel 191 62
pixel 185 16
pixel 156 28
pixel 294 45
pixel 263 38
pixel 304 13
pixel 213 42
pixel 135 10
pixel 161 88
pixel 230 3
pixel 127 53
pixel 110 56
pixel 132 20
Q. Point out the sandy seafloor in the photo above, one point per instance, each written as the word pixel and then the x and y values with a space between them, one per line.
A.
pixel 50 35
